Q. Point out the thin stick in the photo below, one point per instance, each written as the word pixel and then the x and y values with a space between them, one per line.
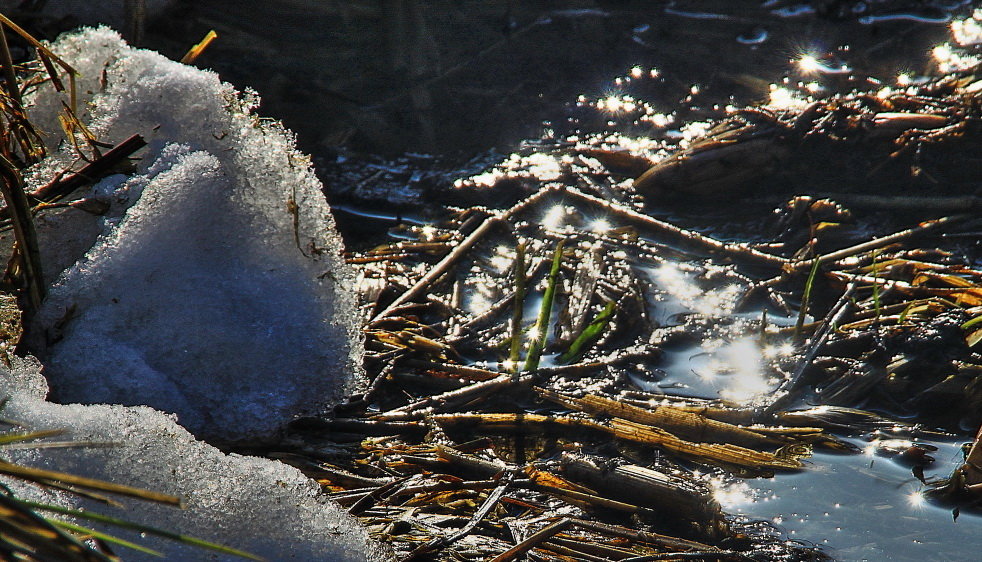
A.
pixel 786 393
pixel 533 541
pixel 734 250
pixel 454 397
pixel 40 475
pixel 440 268
pixel 195 51
pixel 24 232
pixel 922 228
pixel 426 550
pixel 641 536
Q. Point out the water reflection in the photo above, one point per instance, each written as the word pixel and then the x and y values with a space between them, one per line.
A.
pixel 731 360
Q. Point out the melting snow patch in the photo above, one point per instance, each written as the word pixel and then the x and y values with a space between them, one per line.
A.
pixel 217 291
pixel 257 505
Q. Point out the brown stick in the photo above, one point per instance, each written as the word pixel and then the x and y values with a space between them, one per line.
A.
pixel 426 550
pixel 89 173
pixel 787 391
pixel 533 541
pixel 25 234
pixel 458 252
pixel 454 397
pixel 733 250
pixel 923 228
pixel 641 536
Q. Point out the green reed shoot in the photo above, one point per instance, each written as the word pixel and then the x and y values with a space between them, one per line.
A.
pixel 538 343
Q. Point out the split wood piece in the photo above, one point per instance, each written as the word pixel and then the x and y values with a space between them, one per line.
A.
pixel 536 539
pixel 369 500
pixel 721 454
pixel 444 265
pixel 972 469
pixel 672 498
pixel 788 391
pixel 875 244
pixel 938 204
pixel 463 371
pixel 571 553
pixel 592 548
pixel 427 550
pixel 646 537
pixel 455 398
pixel 587 500
pixel 321 471
pixel 735 251
pixel 687 425
pixel 471 464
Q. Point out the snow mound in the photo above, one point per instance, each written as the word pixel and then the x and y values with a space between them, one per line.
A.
pixel 257 505
pixel 217 290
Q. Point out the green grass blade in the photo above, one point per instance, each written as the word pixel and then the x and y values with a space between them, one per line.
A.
pixel 41 475
pixel 876 285
pixel 590 333
pixel 103 536
pixel 124 524
pixel 972 323
pixel 806 298
pixel 545 312
pixel 28 435
pixel 518 310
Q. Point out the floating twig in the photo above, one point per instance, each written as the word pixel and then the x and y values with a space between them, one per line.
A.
pixel 786 393
pixel 535 540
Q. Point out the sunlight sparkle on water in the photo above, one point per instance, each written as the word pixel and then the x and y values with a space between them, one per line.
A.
pixel 968 32
pixel 676 283
pixel 600 225
pixel 733 494
pixel 783 98
pixel 502 259
pixel 615 104
pixel 809 64
pixel 694 130
pixel 748 380
pixel 950 60
pixel 478 304
pixel 554 217
pixel 915 499
pixel 781 350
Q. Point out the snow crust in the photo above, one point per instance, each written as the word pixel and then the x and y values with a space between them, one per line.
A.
pixel 257 505
pixel 216 290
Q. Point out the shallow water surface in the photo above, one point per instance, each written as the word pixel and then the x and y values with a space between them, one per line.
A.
pixel 861 507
